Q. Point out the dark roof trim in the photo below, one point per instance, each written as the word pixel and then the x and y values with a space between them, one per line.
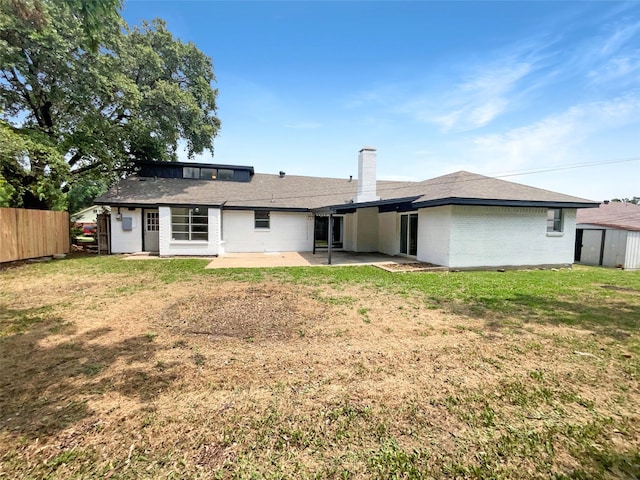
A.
pixel 156 205
pixel 398 204
pixel 323 212
pixel 268 209
pixel 201 165
pixel 502 203
pixel 195 205
pixel 398 207
pixel 351 207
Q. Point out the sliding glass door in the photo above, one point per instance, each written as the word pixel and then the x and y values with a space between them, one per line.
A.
pixel 409 234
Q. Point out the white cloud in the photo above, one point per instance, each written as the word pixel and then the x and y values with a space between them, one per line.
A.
pixel 621 35
pixel 609 58
pixel 620 68
pixel 476 101
pixel 549 141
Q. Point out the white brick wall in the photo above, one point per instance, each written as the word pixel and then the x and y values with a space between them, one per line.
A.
pixel 367 175
pixel 434 228
pixel 502 236
pixel 170 247
pixel 126 241
pixel 288 232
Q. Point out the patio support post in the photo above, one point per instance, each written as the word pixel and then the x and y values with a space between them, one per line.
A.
pixel 315 218
pixel 330 237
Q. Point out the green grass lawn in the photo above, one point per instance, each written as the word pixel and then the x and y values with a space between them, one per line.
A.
pixel 162 369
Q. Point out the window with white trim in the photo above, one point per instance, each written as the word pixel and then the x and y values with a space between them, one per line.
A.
pixel 262 219
pixel 554 220
pixel 190 224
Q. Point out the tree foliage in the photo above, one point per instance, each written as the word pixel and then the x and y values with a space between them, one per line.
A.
pixel 75 113
pixel 634 200
pixel 31 170
pixel 84 190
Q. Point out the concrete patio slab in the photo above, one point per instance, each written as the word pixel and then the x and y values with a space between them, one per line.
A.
pixel 301 259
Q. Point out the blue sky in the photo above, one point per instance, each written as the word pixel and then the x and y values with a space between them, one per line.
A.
pixel 536 90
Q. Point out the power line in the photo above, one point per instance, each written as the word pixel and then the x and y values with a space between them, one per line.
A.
pixel 569 166
pixel 414 184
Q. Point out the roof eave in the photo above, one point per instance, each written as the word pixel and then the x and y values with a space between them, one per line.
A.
pixel 121 204
pixel 193 204
pixel 487 202
pixel 342 208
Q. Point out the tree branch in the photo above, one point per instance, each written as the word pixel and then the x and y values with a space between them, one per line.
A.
pixel 75 158
pixel 28 97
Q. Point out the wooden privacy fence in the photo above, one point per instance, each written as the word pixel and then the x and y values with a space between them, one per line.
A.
pixel 32 233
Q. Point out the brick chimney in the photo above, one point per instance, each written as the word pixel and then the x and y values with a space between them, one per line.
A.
pixel 366 176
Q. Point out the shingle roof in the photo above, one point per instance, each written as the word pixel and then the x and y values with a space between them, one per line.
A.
pixel 300 192
pixel 625 216
pixel 271 191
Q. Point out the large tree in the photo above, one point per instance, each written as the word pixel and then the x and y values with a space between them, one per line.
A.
pixel 83 101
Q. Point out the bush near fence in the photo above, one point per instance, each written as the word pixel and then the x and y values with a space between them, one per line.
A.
pixel 32 233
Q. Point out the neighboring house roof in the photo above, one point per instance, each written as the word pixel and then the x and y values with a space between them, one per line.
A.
pixel 621 215
pixel 309 193
pixel 83 211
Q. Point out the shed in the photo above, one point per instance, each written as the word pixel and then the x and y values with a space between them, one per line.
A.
pixel 609 235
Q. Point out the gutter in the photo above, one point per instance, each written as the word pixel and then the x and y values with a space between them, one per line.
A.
pixel 503 203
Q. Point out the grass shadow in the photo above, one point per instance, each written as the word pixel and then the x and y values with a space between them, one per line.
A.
pixel 615 318
pixel 46 384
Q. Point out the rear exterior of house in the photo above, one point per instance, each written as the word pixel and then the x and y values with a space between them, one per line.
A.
pixel 463 236
pixel 198 231
pixel 461 220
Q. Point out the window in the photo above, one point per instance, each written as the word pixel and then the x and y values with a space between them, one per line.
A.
pixel 189 224
pixel 554 220
pixel 190 172
pixel 225 174
pixel 206 173
pixel 261 219
pixel 152 221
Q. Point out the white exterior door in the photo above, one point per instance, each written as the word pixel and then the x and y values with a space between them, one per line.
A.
pixel 151 231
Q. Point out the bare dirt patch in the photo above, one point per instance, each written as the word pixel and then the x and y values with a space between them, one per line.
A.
pixel 620 289
pixel 410 267
pixel 243 312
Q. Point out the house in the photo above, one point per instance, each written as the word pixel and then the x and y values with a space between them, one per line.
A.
pixel 609 236
pixel 460 220
pixel 88 216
